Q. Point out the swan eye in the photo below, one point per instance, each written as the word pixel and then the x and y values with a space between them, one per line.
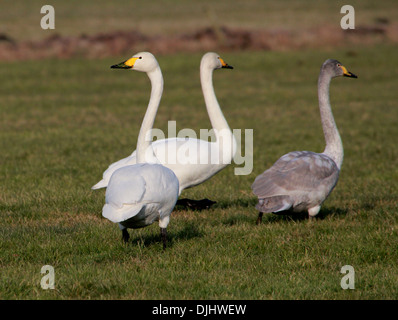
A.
pixel 140 58
pixel 339 65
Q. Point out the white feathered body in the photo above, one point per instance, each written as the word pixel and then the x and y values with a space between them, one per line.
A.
pixel 192 160
pixel 140 194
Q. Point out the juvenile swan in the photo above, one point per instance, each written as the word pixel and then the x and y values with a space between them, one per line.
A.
pixel 205 158
pixel 140 194
pixel 302 180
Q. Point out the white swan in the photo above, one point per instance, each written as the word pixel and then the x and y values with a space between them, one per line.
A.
pixel 302 180
pixel 140 194
pixel 205 158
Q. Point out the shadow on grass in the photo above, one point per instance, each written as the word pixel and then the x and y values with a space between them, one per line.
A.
pixel 219 204
pixel 237 203
pixel 194 205
pixel 271 217
pixel 331 211
pixel 248 217
pixel 267 218
pixel 283 216
pixel 303 216
pixel 189 231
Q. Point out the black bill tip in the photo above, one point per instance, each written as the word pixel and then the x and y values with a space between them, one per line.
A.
pixel 350 75
pixel 121 65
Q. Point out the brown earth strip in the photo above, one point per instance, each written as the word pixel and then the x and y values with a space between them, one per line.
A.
pixel 208 39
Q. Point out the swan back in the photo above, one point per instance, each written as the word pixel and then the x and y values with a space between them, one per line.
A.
pixel 140 194
pixel 305 178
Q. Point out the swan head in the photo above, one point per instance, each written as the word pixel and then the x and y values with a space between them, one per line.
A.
pixel 213 61
pixel 336 69
pixel 142 61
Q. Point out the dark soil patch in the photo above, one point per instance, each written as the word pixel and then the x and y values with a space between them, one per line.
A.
pixel 207 39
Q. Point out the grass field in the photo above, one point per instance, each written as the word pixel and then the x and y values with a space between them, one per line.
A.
pixel 62 122
pixel 60 130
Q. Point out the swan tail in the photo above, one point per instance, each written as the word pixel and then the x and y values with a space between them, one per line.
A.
pixel 274 204
pixel 102 184
pixel 124 213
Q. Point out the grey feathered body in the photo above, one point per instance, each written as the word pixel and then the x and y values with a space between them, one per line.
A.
pixel 302 180
pixel 298 181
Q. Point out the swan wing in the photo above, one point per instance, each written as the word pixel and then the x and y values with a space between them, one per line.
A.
pixel 125 192
pixel 192 160
pixel 296 172
pixel 130 160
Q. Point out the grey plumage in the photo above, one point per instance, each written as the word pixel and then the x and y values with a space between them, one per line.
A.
pixel 302 180
pixel 298 180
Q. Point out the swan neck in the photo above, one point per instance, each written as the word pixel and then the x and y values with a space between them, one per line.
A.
pixel 216 116
pixel 226 142
pixel 334 145
pixel 144 143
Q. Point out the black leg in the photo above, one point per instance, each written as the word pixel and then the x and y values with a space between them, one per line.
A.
pixel 260 218
pixel 163 233
pixel 125 236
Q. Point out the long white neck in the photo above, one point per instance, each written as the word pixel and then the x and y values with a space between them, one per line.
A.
pixel 144 146
pixel 224 136
pixel 334 145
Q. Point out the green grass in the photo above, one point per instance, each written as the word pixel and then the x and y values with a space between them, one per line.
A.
pixel 21 19
pixel 63 122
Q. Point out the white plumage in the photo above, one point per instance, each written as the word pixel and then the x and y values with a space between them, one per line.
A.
pixel 194 161
pixel 140 194
pixel 145 192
